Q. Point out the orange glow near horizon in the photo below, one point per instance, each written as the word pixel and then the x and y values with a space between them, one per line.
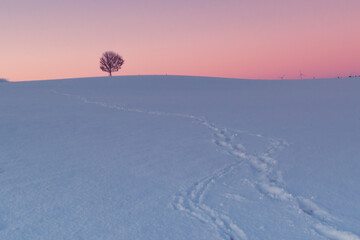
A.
pixel 253 39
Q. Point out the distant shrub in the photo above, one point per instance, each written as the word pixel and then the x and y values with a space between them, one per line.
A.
pixel 3 80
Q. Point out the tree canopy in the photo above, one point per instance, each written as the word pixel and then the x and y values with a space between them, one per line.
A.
pixel 111 62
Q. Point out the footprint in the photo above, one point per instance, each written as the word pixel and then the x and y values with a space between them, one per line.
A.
pixel 313 210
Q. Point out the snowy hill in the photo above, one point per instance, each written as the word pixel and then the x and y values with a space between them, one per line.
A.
pixel 172 157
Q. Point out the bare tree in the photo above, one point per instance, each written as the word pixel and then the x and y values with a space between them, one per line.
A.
pixel 111 62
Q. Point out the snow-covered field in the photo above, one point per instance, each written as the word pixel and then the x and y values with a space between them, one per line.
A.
pixel 172 157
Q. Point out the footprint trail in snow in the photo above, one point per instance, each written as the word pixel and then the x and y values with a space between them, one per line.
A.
pixel 268 182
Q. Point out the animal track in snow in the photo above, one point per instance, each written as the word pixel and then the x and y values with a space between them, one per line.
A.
pixel 269 179
pixel 191 202
pixel 312 209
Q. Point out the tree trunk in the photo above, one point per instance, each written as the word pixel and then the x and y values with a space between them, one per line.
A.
pixel 110 74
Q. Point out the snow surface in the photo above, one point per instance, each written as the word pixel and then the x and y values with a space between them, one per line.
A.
pixel 173 157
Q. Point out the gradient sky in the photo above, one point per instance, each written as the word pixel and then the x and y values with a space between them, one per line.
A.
pixel 261 39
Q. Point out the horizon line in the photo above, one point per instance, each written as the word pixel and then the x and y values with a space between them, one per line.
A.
pixel 197 76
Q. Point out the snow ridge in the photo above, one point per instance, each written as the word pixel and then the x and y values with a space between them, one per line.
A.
pixel 269 179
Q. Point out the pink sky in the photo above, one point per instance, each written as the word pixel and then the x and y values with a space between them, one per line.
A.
pixel 259 39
